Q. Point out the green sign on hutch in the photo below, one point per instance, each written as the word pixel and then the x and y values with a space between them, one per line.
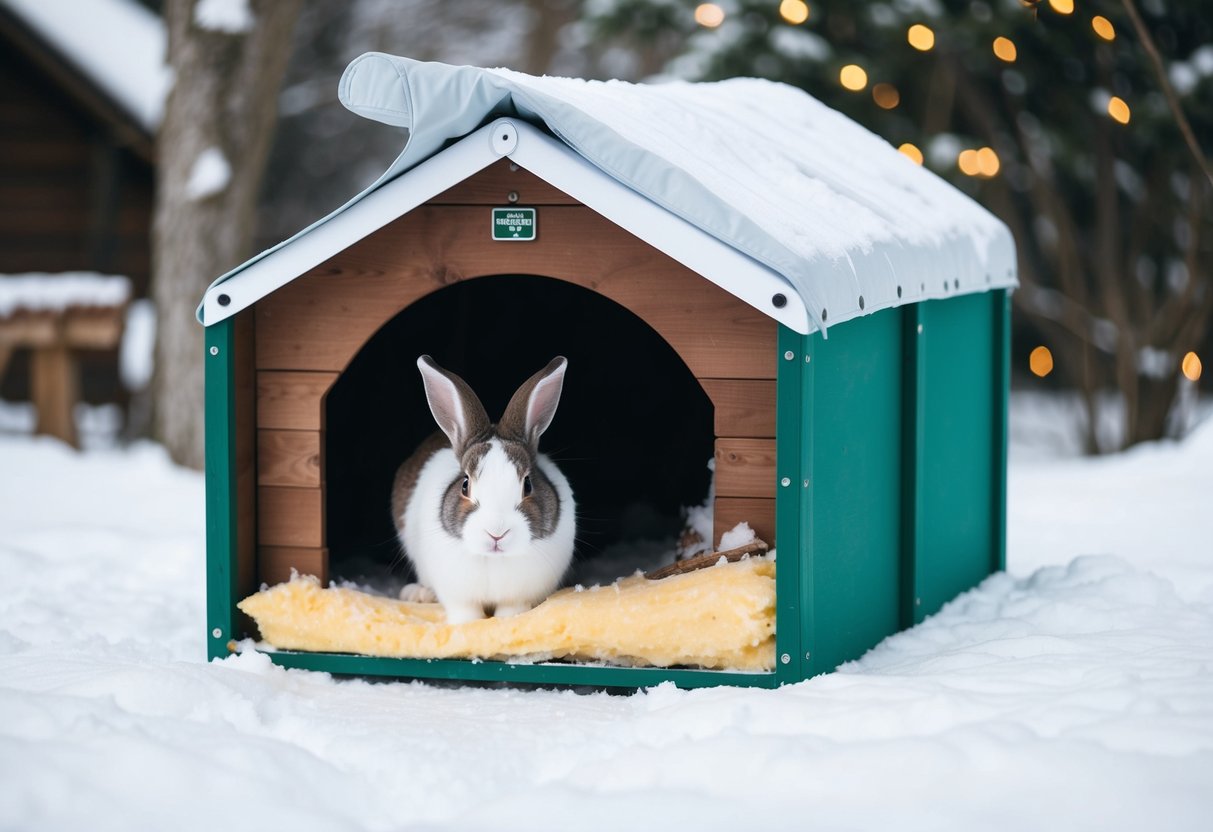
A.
pixel 514 224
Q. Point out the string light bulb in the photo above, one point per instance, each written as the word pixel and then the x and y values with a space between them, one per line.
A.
pixel 853 77
pixel 1040 362
pixel 921 37
pixel 1191 367
pixel 1062 6
pixel 1103 27
pixel 709 15
pixel 987 162
pixel 1119 110
pixel 911 151
pixel 1004 49
pixel 886 96
pixel 794 11
pixel 967 160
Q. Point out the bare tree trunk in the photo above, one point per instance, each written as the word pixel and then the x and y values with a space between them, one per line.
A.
pixel 211 153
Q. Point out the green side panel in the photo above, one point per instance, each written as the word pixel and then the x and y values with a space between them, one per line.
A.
pixel 792 605
pixel 855 460
pixel 1002 393
pixel 536 674
pixel 220 455
pixel 960 480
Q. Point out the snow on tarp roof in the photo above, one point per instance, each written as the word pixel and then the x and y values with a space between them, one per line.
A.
pixel 850 224
pixel 119 44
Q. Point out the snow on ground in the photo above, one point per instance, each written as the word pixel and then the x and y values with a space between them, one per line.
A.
pixel 1075 692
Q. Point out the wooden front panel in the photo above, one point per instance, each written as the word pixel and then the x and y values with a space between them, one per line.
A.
pixel 290 517
pixel 309 330
pixel 745 467
pixel 321 320
pixel 290 458
pixel 276 563
pixel 744 407
pixel 494 184
pixel 292 401
pixel 757 511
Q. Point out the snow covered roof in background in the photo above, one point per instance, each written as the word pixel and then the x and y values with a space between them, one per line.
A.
pixel 38 292
pixel 118 44
pixel 841 221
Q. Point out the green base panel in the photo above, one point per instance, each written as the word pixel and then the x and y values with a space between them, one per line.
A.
pixel 547 673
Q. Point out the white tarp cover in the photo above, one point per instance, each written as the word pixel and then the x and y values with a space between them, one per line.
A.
pixel 761 166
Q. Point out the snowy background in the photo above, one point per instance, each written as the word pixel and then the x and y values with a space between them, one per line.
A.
pixel 1074 692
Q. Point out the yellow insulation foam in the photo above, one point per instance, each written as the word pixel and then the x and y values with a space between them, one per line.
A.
pixel 722 617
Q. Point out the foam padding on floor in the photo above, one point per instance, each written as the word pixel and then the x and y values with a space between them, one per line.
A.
pixel 722 617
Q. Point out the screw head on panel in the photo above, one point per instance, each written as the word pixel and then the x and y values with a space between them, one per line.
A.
pixel 217 633
pixel 785 659
pixel 512 196
pixel 214 350
pixel 785 482
pixel 789 355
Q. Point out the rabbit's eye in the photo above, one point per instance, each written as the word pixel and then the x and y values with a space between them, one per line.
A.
pixel 526 486
pixel 465 488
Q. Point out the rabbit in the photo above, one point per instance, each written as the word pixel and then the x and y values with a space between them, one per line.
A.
pixel 485 519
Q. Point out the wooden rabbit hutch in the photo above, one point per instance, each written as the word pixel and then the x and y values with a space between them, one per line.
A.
pixel 873 459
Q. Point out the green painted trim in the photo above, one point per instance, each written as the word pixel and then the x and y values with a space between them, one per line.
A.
pixel 1002 393
pixel 538 674
pixel 220 421
pixel 913 421
pixel 790 602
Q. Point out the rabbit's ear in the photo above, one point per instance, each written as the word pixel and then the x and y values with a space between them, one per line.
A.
pixel 533 406
pixel 456 408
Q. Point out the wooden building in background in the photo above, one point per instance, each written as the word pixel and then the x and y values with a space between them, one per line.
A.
pixel 76 181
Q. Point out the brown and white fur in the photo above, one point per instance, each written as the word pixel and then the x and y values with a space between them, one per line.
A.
pixel 486 520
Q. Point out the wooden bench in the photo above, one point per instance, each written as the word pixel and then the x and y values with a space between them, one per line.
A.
pixel 55 316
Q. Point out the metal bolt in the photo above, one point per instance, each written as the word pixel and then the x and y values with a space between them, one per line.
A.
pixel 918 602
pixel 779 301
pixel 217 633
pixel 789 355
pixel 807 359
pixel 512 196
pixel 785 658
pixel 808 656
pixel 513 166
pixel 214 350
pixel 785 482
pixel 920 329
pixel 806 483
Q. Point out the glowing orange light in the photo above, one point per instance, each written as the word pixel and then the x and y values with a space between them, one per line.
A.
pixel 921 37
pixel 987 162
pixel 912 151
pixel 709 15
pixel 968 163
pixel 886 96
pixel 1062 6
pixel 1191 367
pixel 853 77
pixel 794 11
pixel 1004 49
pixel 1040 362
pixel 1119 110
pixel 1103 27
